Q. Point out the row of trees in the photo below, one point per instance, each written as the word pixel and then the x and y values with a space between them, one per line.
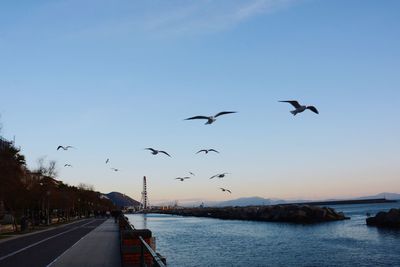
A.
pixel 37 196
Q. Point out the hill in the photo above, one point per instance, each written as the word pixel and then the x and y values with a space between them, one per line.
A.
pixel 249 201
pixel 122 200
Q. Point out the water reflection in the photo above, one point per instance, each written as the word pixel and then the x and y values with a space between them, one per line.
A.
pixel 213 242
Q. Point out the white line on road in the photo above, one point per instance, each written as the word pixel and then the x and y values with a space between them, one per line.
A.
pixel 41 241
pixel 51 263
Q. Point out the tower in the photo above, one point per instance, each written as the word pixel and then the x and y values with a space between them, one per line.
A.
pixel 144 194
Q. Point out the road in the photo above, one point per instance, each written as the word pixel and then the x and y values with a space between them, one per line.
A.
pixel 41 249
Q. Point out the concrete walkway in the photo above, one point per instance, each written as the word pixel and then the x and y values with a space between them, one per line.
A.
pixel 99 248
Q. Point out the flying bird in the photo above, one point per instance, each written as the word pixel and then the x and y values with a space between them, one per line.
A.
pixel 67 165
pixel 211 119
pixel 225 190
pixel 299 108
pixel 155 152
pixel 107 161
pixel 221 175
pixel 191 173
pixel 182 178
pixel 114 169
pixel 64 147
pixel 207 150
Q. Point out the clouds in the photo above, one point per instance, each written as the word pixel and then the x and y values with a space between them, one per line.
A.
pixel 177 18
pixel 209 16
pixel 103 18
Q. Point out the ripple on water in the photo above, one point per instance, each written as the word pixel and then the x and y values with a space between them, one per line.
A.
pixel 192 241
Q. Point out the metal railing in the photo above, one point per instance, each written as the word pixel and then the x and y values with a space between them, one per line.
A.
pixel 145 249
pixel 156 259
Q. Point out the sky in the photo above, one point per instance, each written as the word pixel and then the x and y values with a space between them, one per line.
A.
pixel 114 77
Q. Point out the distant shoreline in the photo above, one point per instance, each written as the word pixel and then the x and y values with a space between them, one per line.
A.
pixel 344 202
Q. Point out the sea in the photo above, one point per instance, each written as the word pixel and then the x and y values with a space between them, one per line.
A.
pixel 193 241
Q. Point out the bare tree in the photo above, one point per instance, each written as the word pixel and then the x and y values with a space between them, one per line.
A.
pixel 87 187
pixel 50 170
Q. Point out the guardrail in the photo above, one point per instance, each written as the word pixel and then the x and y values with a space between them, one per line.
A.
pixel 138 246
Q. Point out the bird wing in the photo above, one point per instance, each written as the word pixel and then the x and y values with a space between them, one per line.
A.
pixel 313 109
pixel 165 153
pixel 60 147
pixel 186 177
pixel 107 161
pixel 203 150
pixel 213 150
pixel 152 149
pixel 69 147
pixel 228 191
pixel 293 102
pixel 224 112
pixel 214 176
pixel 198 117
pixel 191 173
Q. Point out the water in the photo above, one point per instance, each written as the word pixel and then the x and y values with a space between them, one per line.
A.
pixel 191 241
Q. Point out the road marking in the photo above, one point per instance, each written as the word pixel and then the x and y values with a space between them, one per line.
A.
pixel 41 241
pixel 56 259
pixel 41 231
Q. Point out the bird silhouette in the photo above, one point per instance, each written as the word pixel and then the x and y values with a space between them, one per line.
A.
pixel 207 150
pixel 114 169
pixel 67 165
pixel 225 190
pixel 155 151
pixel 182 178
pixel 191 173
pixel 64 147
pixel 211 119
pixel 221 175
pixel 299 108
pixel 107 161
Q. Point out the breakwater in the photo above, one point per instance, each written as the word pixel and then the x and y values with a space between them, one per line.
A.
pixel 273 213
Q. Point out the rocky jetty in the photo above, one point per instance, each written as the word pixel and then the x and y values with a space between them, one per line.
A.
pixel 276 213
pixel 386 219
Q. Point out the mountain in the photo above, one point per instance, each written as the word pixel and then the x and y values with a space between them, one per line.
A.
pixel 122 200
pixel 389 196
pixel 249 201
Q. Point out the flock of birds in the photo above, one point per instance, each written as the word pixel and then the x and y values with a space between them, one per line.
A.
pixel 209 120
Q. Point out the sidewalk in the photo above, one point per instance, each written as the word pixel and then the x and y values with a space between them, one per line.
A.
pixel 99 248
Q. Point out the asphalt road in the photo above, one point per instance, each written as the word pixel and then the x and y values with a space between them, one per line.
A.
pixel 42 248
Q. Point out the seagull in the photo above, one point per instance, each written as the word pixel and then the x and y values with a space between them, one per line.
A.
pixel 67 165
pixel 227 190
pixel 64 147
pixel 299 108
pixel 221 175
pixel 114 169
pixel 155 152
pixel 191 173
pixel 211 119
pixel 207 150
pixel 107 160
pixel 182 178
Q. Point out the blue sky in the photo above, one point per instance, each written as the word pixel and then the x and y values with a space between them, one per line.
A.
pixel 114 77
